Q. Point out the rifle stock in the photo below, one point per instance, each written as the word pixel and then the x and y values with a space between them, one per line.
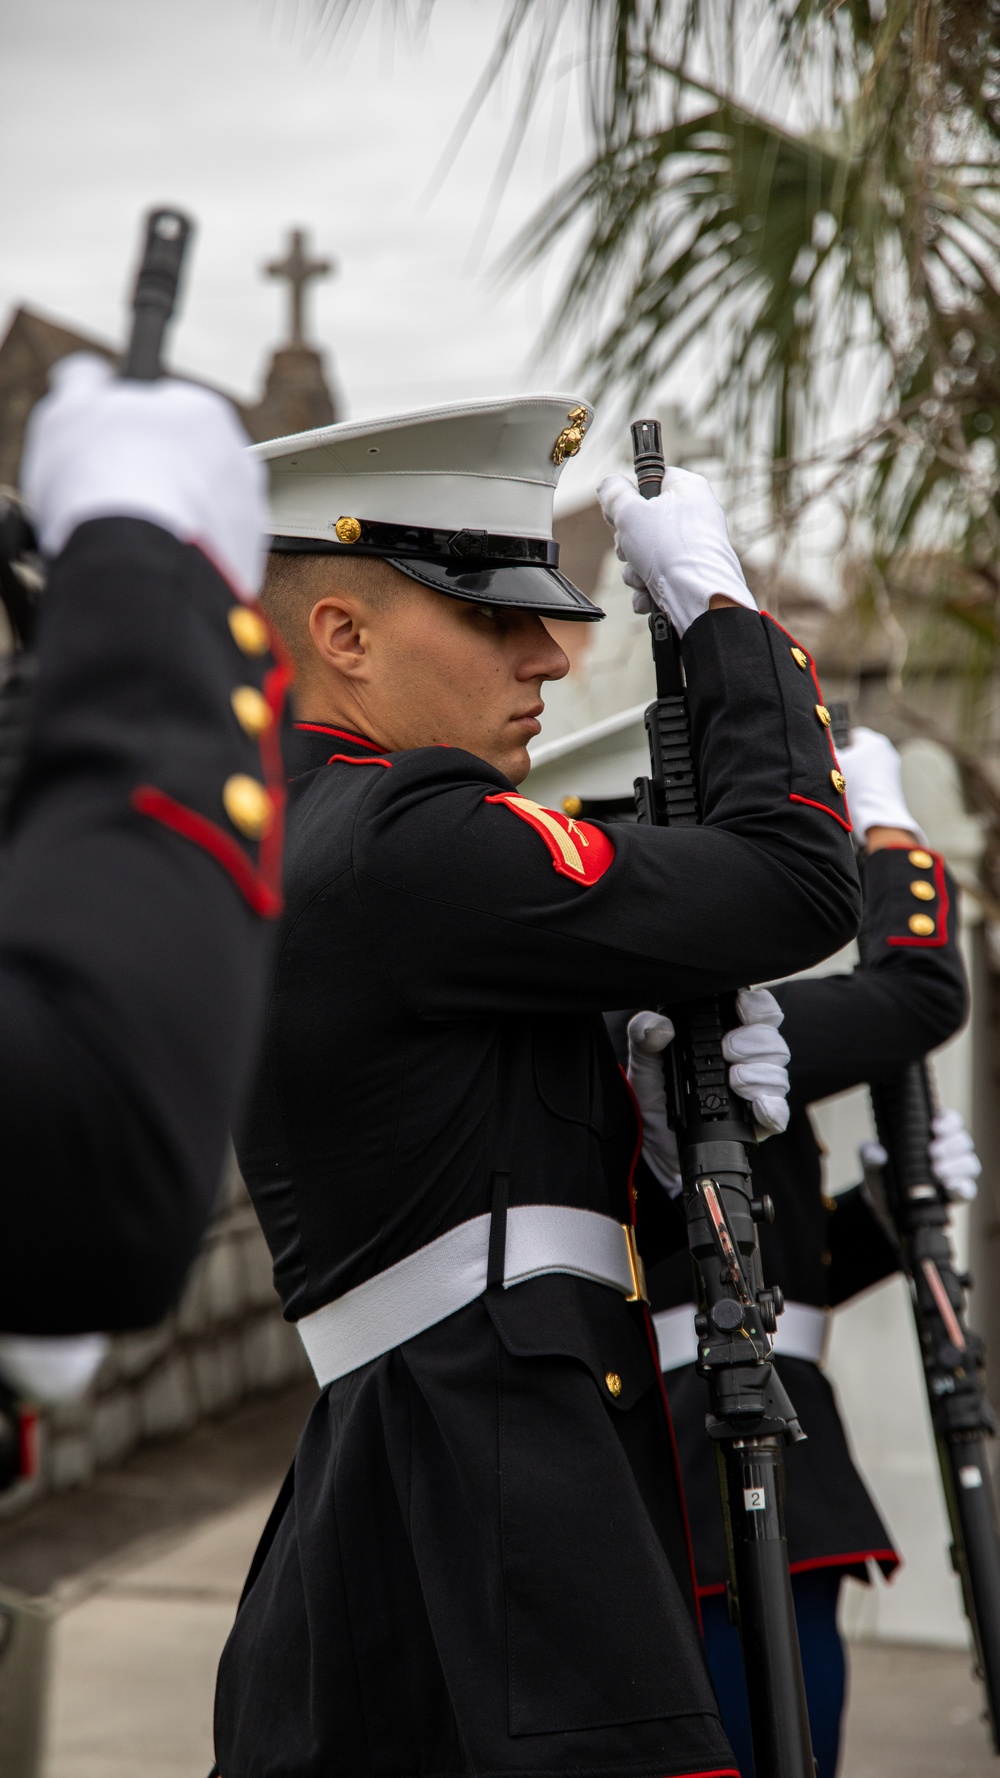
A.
pixel 750 1415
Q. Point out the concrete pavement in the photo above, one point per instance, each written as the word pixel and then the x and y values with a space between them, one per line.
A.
pixel 135 1661
pixel 135 1664
pixel 145 1568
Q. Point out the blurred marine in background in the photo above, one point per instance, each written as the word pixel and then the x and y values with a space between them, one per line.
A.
pixel 908 997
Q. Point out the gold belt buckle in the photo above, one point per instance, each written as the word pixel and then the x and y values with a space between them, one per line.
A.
pixel 635 1266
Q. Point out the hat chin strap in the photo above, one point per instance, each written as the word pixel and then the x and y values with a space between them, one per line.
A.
pixel 371 537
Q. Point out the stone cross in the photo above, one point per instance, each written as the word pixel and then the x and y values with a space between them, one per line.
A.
pixel 298 268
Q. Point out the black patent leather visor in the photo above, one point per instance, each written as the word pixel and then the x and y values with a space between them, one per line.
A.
pixel 528 586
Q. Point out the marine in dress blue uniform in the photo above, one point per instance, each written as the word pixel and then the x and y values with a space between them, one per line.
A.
pixel 843 1030
pixel 478 1562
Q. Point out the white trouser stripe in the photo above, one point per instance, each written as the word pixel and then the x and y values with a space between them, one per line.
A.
pixel 801 1334
pixel 448 1273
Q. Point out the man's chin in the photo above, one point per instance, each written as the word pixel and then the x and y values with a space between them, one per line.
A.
pixel 518 765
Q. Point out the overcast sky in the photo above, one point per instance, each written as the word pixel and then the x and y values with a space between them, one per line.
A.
pixel 242 112
pixel 245 113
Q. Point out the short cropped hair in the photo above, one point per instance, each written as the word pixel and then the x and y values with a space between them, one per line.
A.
pixel 293 584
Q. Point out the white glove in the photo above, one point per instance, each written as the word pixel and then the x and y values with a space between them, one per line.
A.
pixel 953 1157
pixel 100 447
pixel 872 1156
pixel 952 1154
pixel 760 1058
pixel 54 1369
pixel 875 798
pixel 759 1073
pixel 648 1036
pixel 677 546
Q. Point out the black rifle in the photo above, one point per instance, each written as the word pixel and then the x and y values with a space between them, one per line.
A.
pixel 21 574
pixel 750 1415
pixel 953 1356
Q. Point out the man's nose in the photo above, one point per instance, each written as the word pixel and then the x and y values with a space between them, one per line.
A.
pixel 544 659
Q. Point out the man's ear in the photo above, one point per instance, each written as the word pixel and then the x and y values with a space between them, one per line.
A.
pixel 339 633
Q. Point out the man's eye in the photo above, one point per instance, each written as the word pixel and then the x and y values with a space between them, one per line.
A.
pixel 488 611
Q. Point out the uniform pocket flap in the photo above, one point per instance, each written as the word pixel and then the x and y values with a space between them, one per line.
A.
pixel 561 1316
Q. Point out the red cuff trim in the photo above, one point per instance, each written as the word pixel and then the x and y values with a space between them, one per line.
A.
pixel 846 825
pixel 940 935
pixel 887 1560
pixel 275 689
pixel 147 800
pixel 812 804
pixel 349 760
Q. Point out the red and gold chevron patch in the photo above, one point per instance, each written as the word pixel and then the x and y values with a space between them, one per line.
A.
pixel 577 849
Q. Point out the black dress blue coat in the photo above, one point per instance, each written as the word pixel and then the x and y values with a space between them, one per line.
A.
pixel 843 1031
pixel 136 929
pixel 478 1562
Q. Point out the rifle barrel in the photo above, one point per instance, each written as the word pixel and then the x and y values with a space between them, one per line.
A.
pixel 750 1412
pixel 952 1357
pixel 155 296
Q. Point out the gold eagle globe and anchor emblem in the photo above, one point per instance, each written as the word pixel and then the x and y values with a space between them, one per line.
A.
pixel 571 437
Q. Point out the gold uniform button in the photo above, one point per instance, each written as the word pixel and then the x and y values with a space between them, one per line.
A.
pixel 839 782
pixel 348 530
pixel 923 890
pixel 572 806
pixel 614 1384
pixel 823 714
pixel 252 711
pixel 248 806
pixel 921 924
pixel 800 657
pixel 922 860
pixel 249 630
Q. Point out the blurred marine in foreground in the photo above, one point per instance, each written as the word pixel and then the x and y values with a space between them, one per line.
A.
pixel 141 872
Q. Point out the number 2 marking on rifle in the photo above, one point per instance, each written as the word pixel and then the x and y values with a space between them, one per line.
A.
pixel 755 1500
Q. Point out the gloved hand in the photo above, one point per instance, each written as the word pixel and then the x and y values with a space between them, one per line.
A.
pixel 759 1073
pixel 51 1369
pixel 760 1058
pixel 952 1155
pixel 676 547
pixel 100 447
pixel 875 798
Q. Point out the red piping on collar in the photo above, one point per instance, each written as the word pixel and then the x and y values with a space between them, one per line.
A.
pixel 341 734
pixel 349 760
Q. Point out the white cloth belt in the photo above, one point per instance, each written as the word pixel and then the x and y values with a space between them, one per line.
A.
pixel 801 1334
pixel 441 1278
